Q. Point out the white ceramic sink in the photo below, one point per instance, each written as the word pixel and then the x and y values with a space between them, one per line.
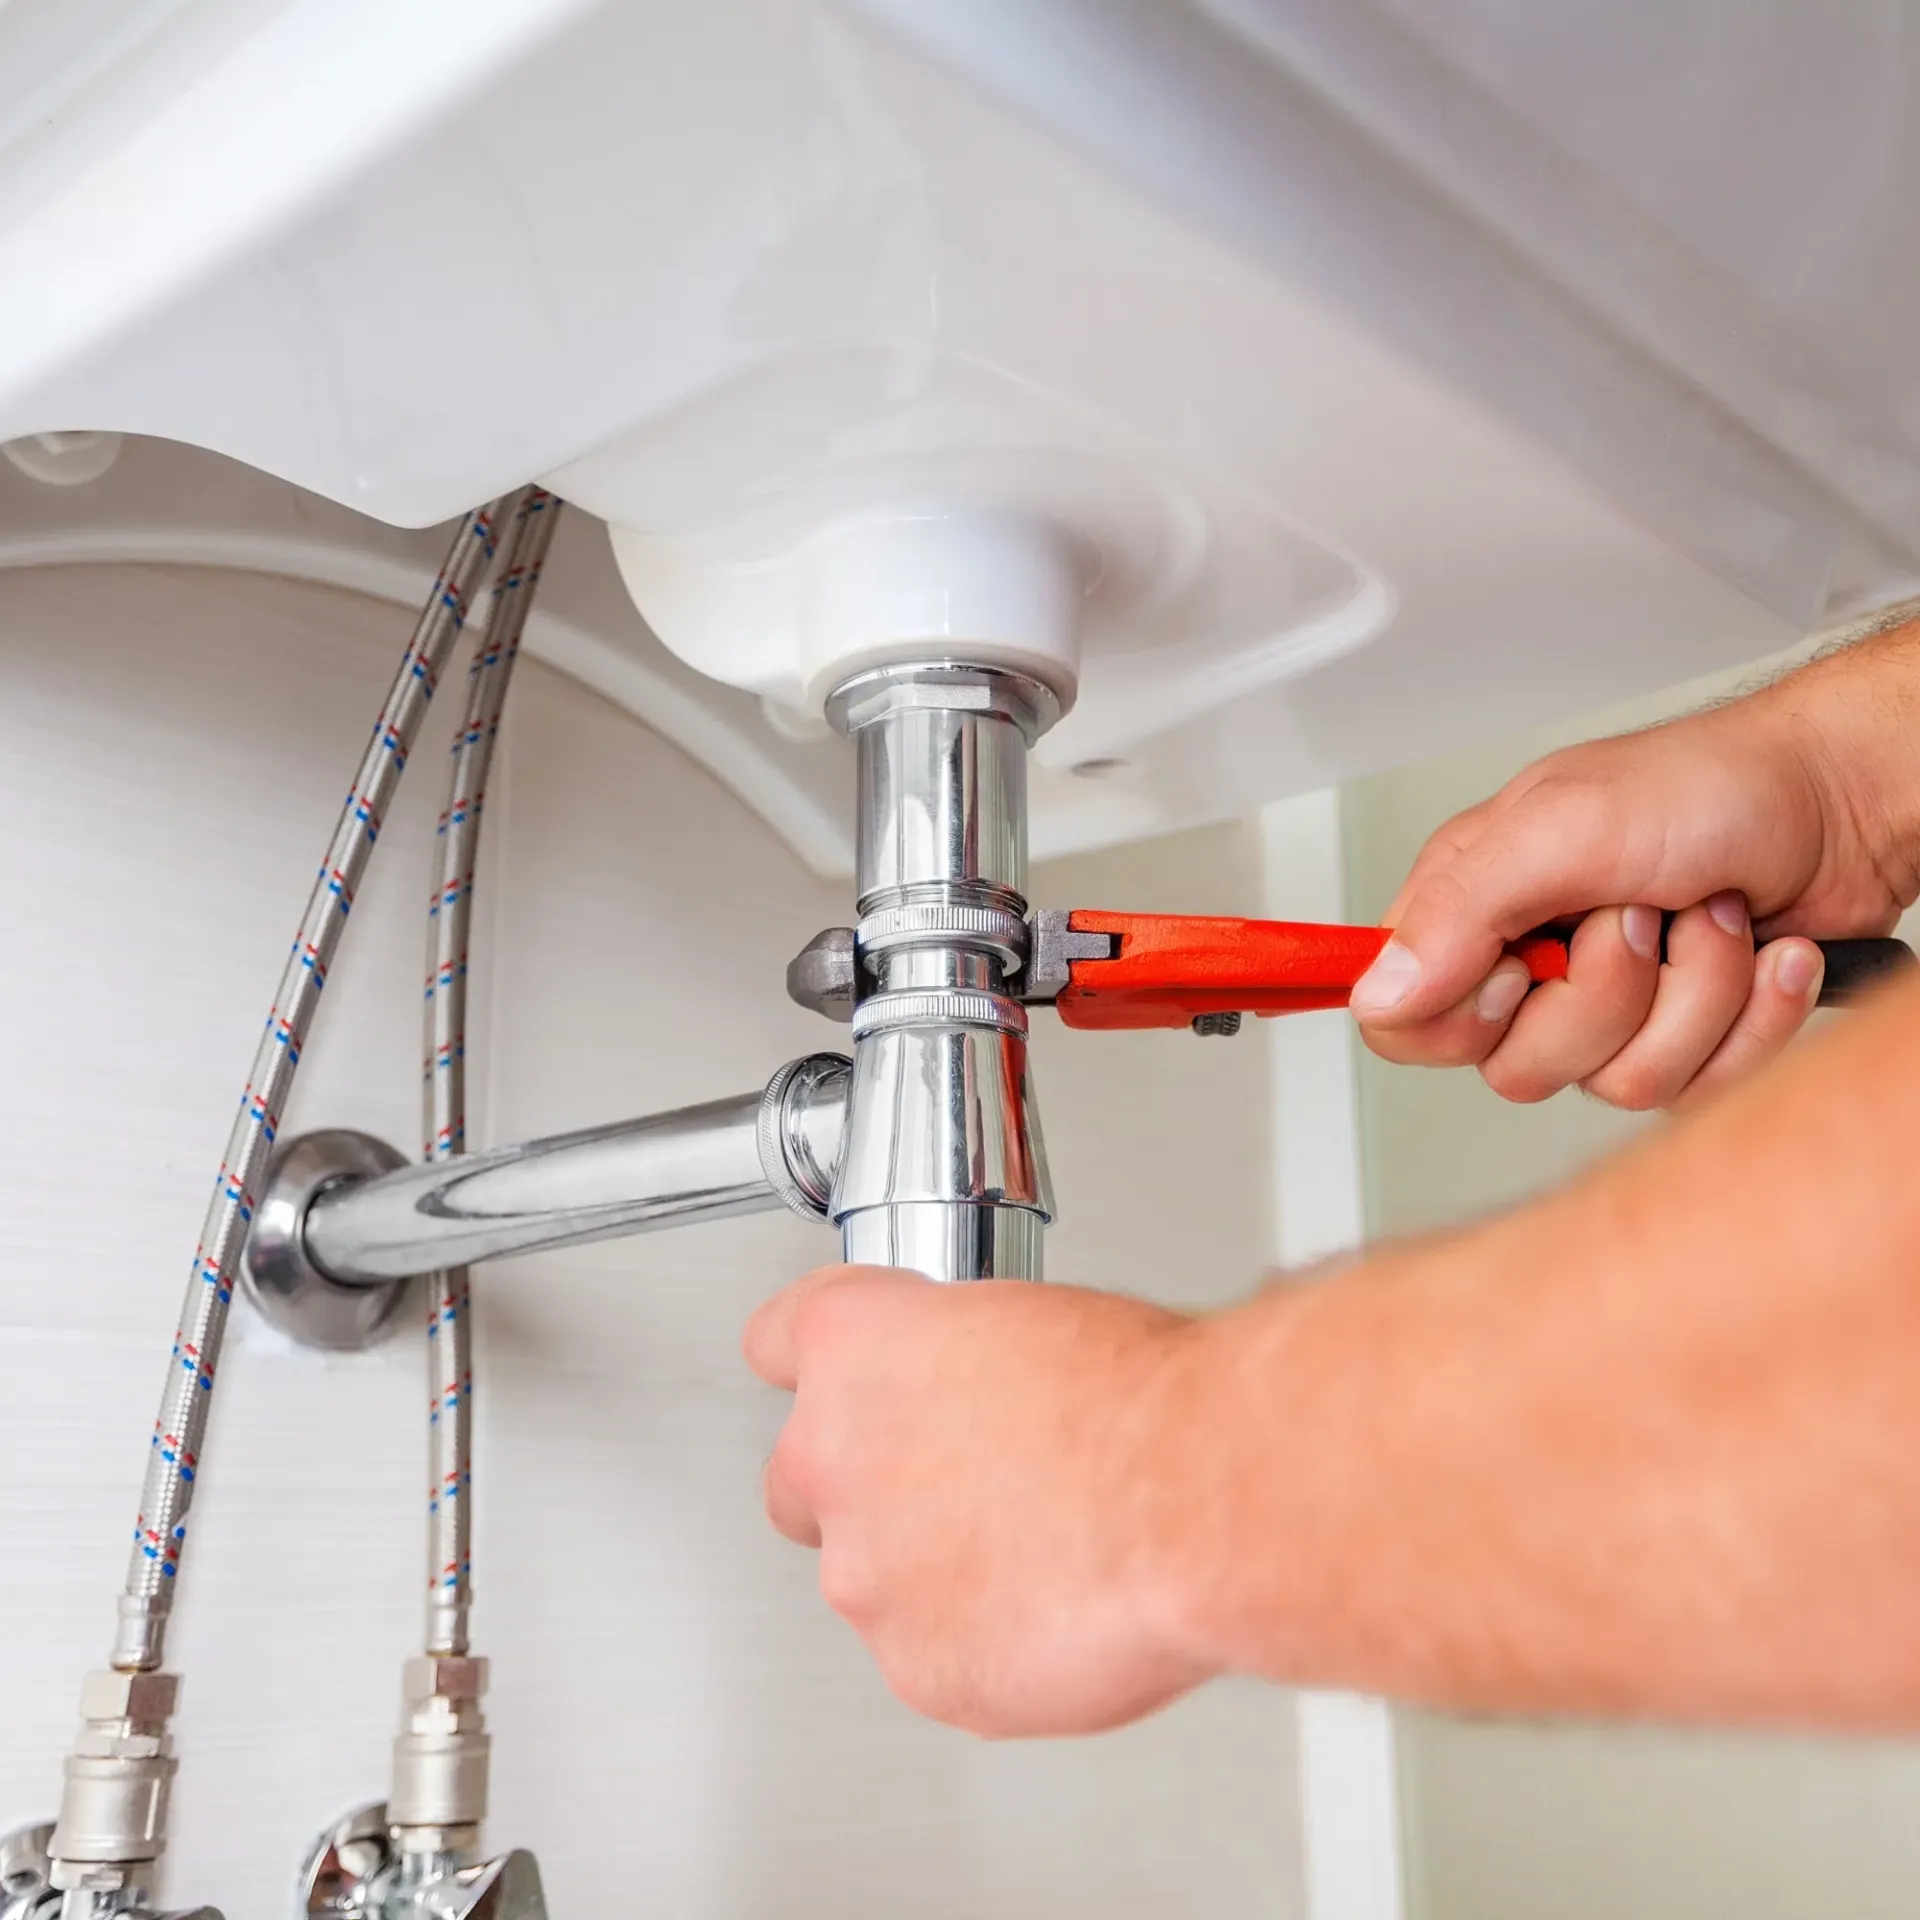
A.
pixel 1314 385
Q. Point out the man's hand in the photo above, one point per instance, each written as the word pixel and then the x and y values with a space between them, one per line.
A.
pixel 1786 814
pixel 994 1477
pixel 1649 1446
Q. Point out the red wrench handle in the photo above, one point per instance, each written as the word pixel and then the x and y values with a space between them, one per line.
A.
pixel 1169 967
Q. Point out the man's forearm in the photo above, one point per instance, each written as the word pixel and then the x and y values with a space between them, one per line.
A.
pixel 1649 1446
pixel 1854 719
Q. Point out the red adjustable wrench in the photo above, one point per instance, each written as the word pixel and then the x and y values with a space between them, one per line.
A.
pixel 1113 970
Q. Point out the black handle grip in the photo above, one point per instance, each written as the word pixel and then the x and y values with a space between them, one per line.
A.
pixel 1855 967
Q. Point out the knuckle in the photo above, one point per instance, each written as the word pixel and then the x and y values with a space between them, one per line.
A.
pixel 1385 1046
pixel 1633 1089
pixel 777 1477
pixel 786 1511
pixel 916 1691
pixel 1452 1040
pixel 845 1587
pixel 937 1689
pixel 1558 764
pixel 1584 811
pixel 1641 1093
pixel 1452 836
pixel 826 1317
pixel 1622 1007
pixel 1404 1047
pixel 1516 1082
pixel 1447 892
pixel 799 1461
pixel 1469 1042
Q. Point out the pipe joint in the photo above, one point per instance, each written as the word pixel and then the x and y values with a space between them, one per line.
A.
pixel 945 1169
pixel 440 1756
pixel 344 1223
pixel 113 1799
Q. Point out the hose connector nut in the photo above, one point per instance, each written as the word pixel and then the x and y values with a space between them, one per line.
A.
pixel 113 1800
pixel 445 1676
pixel 145 1701
pixel 440 1755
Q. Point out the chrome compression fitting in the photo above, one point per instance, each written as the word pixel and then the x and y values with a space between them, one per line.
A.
pixel 944 1169
pixel 440 1755
pixel 344 1223
pixel 94 1863
pixel 412 1857
pixel 113 1799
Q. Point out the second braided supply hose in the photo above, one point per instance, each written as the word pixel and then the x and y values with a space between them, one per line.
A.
pixel 449 921
pixel 173 1459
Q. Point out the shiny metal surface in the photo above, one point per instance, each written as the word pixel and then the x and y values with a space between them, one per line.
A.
pixel 991 930
pixel 942 1112
pixel 450 1382
pixel 946 1241
pixel 701 1162
pixel 801 1131
pixel 823 975
pixel 280 1279
pixel 26 1893
pixel 941 802
pixel 944 1170
pixel 440 1756
pixel 345 1866
pixel 912 945
pixel 115 1784
pixel 939 1007
pixel 602 1181
pixel 357 1870
pixel 939 969
pixel 1052 947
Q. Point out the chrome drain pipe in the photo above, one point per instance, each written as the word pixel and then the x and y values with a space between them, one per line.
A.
pixel 343 1225
pixel 945 1171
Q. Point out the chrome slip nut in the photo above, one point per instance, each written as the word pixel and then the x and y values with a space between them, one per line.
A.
pixel 998 931
pixel 939 1007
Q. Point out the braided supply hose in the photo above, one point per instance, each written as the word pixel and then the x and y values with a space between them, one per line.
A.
pixel 173 1459
pixel 449 919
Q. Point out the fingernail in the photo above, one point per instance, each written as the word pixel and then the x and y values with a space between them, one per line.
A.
pixel 1729 912
pixel 1394 974
pixel 1502 990
pixel 1798 969
pixel 1641 925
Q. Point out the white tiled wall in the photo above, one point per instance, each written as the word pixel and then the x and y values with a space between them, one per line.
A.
pixel 681 1727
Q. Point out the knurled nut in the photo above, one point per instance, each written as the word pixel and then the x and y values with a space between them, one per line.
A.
pixel 938 1007
pixel 770 1137
pixel 991 692
pixel 998 929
